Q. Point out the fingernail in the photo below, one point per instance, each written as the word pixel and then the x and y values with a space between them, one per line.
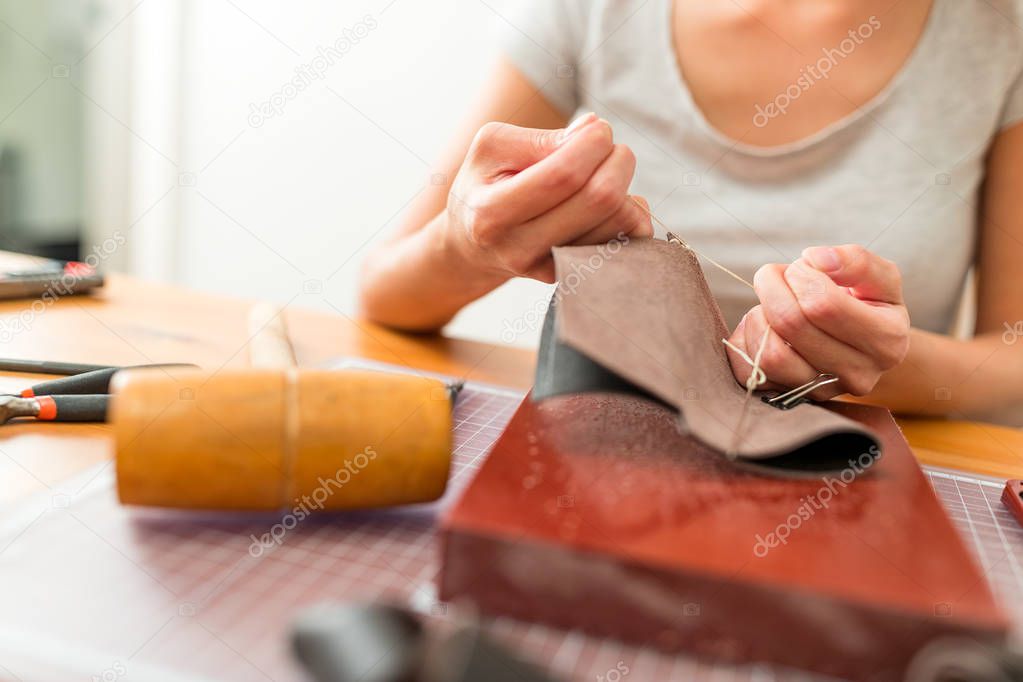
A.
pixel 577 124
pixel 824 258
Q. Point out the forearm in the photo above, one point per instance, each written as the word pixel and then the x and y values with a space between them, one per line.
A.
pixel 944 376
pixel 417 283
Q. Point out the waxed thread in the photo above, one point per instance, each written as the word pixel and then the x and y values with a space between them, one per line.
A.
pixel 681 241
pixel 756 377
pixel 745 356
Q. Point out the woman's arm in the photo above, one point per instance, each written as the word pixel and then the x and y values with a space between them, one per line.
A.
pixel 942 375
pixel 512 190
pixel 408 280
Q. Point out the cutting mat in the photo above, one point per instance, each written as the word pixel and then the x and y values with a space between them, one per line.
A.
pixel 89 588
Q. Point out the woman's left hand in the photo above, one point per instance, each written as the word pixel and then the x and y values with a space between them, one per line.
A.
pixel 837 310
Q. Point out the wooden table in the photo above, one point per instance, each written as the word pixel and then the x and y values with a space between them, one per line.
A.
pixel 133 322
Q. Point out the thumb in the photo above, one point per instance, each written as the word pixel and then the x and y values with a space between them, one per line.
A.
pixel 503 147
pixel 867 276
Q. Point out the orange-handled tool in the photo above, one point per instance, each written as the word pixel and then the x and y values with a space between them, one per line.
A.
pixel 55 408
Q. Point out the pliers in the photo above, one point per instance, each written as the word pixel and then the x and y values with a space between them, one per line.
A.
pixel 81 396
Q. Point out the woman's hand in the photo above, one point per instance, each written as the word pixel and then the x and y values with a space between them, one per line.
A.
pixel 522 191
pixel 837 310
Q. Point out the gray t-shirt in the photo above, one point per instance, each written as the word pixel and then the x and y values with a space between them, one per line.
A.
pixel 900 175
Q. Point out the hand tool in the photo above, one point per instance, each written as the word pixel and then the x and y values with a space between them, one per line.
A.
pixel 279 437
pixel 269 345
pixel 95 381
pixel 52 278
pixel 80 397
pixel 799 394
pixel 47 366
pixel 57 408
pixel 276 439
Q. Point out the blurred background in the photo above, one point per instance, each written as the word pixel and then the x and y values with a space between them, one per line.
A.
pixel 245 147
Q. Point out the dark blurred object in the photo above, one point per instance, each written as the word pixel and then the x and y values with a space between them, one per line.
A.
pixel 966 660
pixel 51 278
pixel 8 192
pixel 15 234
pixel 369 643
pixel 382 643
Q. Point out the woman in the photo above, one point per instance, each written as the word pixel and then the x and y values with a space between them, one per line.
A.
pixel 854 158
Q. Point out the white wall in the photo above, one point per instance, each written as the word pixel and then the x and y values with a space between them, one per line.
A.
pixel 286 208
pixel 40 113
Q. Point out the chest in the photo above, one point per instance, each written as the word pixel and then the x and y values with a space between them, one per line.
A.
pixel 770 73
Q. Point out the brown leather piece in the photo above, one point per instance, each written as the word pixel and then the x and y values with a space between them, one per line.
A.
pixel 645 312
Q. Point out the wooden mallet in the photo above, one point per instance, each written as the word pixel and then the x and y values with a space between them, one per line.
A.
pixel 278 437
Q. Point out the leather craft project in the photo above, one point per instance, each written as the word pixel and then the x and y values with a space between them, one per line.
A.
pixel 596 511
pixel 642 320
pixel 593 512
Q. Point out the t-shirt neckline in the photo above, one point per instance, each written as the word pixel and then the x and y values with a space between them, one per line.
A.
pixel 681 86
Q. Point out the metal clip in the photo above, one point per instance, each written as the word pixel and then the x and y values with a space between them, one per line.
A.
pixel 453 388
pixel 798 395
pixel 673 238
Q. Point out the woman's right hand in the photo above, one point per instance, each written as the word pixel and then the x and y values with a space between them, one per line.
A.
pixel 522 191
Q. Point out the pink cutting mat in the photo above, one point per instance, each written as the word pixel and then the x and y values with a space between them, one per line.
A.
pixel 90 588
